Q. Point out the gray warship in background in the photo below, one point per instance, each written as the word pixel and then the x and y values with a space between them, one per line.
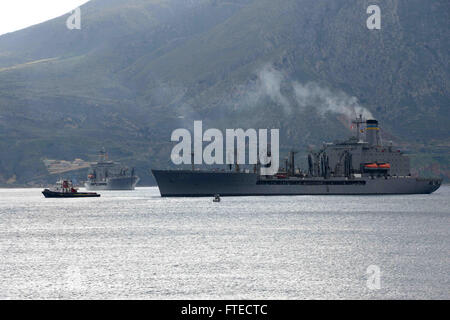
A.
pixel 359 166
pixel 109 175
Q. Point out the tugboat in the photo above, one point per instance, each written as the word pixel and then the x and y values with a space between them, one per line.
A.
pixel 65 189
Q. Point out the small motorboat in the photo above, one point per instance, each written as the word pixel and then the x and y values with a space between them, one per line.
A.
pixel 216 198
pixel 65 189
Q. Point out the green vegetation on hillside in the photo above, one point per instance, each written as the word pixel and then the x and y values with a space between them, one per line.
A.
pixel 139 69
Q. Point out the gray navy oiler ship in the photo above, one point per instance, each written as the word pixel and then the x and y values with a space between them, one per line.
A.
pixel 109 175
pixel 359 166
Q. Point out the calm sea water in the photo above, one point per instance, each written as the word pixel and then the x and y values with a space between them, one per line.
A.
pixel 137 245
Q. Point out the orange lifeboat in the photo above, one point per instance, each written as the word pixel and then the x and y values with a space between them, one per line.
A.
pixel 384 166
pixel 371 166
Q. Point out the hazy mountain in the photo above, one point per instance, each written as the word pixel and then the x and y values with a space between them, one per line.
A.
pixel 139 69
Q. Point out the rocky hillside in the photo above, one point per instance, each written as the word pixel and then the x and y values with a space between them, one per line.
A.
pixel 139 69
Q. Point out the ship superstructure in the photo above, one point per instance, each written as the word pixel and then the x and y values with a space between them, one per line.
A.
pixel 359 157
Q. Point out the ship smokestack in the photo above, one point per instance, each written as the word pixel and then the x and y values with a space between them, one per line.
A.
pixel 372 132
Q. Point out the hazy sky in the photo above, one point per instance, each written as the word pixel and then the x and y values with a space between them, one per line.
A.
pixel 19 14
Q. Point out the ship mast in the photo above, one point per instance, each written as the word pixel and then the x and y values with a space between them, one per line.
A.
pixel 102 155
pixel 358 121
pixel 292 162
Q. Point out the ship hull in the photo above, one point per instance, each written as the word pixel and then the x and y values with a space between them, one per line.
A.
pixel 116 183
pixel 184 183
pixel 54 194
